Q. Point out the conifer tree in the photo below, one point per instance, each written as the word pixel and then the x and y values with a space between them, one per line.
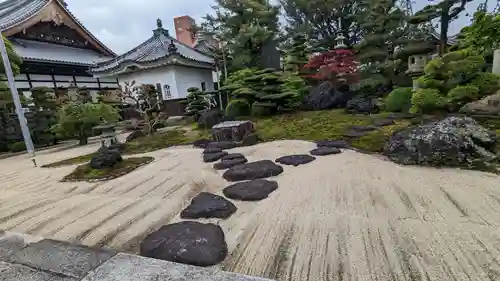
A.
pixel 247 26
pixel 383 24
pixel 296 56
pixel 446 11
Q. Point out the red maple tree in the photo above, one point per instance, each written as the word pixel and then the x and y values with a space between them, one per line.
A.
pixel 337 66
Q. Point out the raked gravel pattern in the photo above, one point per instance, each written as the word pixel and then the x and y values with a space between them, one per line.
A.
pixel 348 216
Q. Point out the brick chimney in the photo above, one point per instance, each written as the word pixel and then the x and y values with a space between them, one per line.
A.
pixel 184 30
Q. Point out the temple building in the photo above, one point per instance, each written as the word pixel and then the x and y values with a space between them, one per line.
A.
pixel 57 50
pixel 163 61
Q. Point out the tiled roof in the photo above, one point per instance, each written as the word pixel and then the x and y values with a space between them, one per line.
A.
pixel 14 12
pixel 46 52
pixel 159 46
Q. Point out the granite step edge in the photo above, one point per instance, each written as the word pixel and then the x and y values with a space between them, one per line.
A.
pixel 25 257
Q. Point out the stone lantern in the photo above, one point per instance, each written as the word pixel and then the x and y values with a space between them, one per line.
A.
pixel 108 134
pixel 416 65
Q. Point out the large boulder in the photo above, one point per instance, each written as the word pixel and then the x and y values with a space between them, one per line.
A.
pixel 250 190
pixel 489 105
pixel 252 171
pixel 208 205
pixel 105 158
pixel 210 118
pixel 235 131
pixel 454 141
pixel 187 242
pixel 365 105
pixel 320 97
pixel 135 135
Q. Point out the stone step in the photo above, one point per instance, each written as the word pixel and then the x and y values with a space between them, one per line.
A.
pixel 28 258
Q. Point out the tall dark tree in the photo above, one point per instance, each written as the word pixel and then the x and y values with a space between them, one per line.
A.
pixel 322 20
pixel 296 56
pixel 383 24
pixel 246 26
pixel 445 11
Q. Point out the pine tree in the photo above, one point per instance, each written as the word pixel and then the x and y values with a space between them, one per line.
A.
pixel 296 56
pixel 247 26
pixel 195 102
pixel 446 11
pixel 383 27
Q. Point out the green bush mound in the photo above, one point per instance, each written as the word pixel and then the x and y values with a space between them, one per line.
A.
pixel 487 83
pixel 237 108
pixel 260 109
pixel 86 173
pixel 463 94
pixel 427 100
pixel 399 100
pixel 18 147
pixel 452 80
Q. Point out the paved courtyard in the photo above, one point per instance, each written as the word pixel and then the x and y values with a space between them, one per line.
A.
pixel 342 217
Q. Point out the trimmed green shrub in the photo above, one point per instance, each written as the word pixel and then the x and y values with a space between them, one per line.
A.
pixel 18 146
pixel 427 101
pixel 237 108
pixel 463 94
pixel 487 83
pixel 399 100
pixel 263 109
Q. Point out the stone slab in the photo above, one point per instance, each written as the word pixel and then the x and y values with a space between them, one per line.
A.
pixel 125 267
pixel 16 272
pixel 61 257
pixel 13 242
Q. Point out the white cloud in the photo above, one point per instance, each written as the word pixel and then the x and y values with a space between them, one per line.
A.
pixel 124 24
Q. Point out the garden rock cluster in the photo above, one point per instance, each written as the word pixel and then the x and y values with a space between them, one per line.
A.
pixel 105 158
pixel 454 141
pixel 365 105
pixel 201 244
pixel 324 96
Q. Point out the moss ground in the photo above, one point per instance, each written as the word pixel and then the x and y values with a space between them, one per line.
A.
pixel 86 173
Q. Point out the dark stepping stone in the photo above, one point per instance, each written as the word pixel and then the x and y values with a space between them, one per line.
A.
pixel 333 143
pixel 233 156
pixel 201 143
pixel 362 128
pixel 250 140
pixel 226 164
pixel 212 157
pixel 250 190
pixel 321 151
pixel 222 144
pixel 355 134
pixel 212 150
pixel 383 122
pixel 295 160
pixel 187 242
pixel 208 205
pixel 252 171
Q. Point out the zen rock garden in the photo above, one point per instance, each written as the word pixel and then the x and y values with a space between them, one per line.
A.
pixel 203 244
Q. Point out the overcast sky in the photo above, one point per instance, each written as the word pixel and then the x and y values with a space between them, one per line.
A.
pixel 123 24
